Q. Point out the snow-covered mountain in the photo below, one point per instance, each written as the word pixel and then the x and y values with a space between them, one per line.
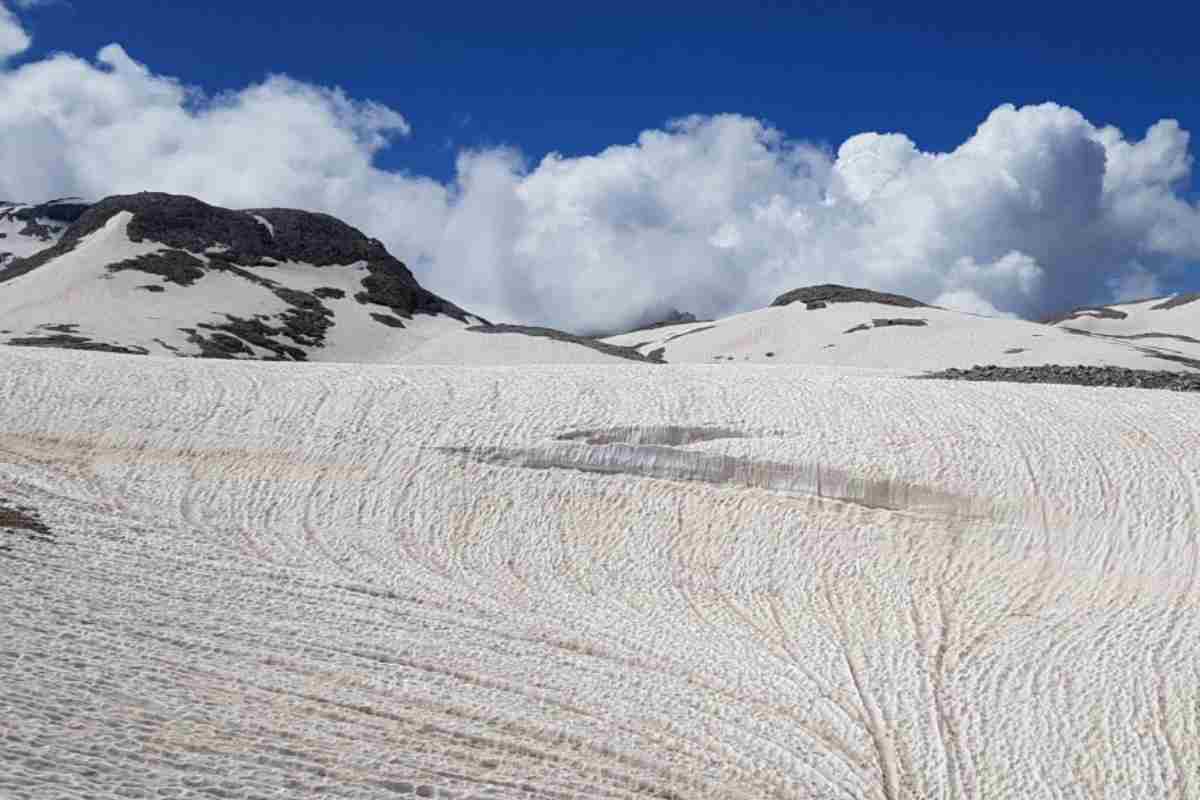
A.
pixel 843 326
pixel 158 274
pixel 162 274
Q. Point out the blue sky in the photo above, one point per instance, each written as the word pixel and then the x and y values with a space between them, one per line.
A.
pixel 545 77
pixel 776 180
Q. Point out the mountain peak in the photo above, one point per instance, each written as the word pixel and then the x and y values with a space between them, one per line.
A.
pixel 259 283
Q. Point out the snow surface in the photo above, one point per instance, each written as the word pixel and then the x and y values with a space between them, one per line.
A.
pixel 625 581
pixel 266 223
pixel 792 334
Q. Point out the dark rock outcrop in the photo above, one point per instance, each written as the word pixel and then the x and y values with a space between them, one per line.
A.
pixel 815 297
pixel 887 322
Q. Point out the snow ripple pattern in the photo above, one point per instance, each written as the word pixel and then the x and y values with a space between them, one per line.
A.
pixel 261 580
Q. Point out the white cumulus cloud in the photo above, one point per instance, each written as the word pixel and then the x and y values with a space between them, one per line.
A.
pixel 710 214
pixel 14 40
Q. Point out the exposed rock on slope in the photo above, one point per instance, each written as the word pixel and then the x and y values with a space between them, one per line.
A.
pixel 835 293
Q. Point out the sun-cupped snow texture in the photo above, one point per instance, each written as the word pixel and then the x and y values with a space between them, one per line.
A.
pixel 1167 328
pixel 237 579
pixel 25 229
pixel 166 274
pixel 838 326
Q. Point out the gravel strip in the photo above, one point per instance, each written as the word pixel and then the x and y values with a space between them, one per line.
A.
pixel 1076 375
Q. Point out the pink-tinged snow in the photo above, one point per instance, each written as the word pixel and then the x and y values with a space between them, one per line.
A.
pixel 1172 330
pixel 791 334
pixel 625 582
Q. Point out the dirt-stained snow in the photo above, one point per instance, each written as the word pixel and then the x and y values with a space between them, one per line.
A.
pixel 632 581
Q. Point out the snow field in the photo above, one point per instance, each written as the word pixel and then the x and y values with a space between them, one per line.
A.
pixel 607 582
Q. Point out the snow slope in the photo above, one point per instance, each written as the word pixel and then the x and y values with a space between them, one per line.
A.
pixel 223 578
pixel 849 334
pixel 1168 327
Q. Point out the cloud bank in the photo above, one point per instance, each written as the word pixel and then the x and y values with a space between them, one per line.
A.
pixel 709 214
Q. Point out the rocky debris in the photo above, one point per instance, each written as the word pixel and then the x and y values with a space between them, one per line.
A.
pixel 863 327
pixel 1079 375
pixel 815 305
pixel 835 293
pixel 1012 351
pixel 328 293
pixel 628 353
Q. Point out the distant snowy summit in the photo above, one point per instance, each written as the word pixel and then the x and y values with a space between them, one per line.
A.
pixel 845 326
